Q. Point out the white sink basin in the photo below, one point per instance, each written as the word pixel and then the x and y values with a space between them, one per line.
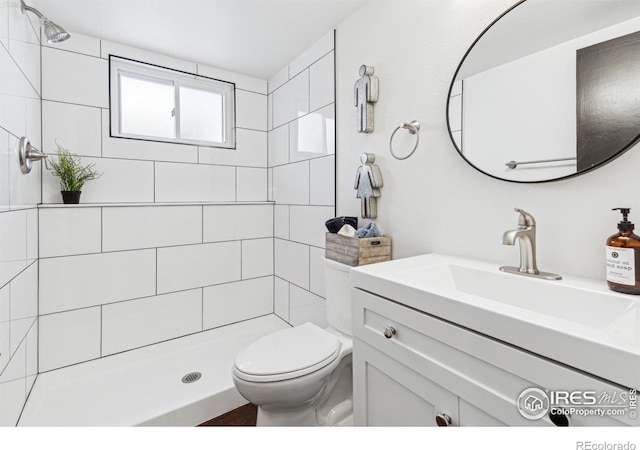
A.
pixel 586 307
pixel 575 321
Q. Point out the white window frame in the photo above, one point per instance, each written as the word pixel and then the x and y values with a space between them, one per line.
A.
pixel 145 71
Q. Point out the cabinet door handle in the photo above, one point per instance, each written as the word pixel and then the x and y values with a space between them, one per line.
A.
pixel 443 420
pixel 388 331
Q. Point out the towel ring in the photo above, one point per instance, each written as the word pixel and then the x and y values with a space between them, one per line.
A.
pixel 414 128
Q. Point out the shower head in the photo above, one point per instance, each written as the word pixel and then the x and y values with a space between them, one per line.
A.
pixel 54 32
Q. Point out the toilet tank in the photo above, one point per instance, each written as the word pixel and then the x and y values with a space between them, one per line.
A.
pixel 338 290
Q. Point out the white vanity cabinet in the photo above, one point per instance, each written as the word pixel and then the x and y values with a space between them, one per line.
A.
pixel 431 372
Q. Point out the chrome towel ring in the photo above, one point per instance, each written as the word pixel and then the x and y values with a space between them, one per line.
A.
pixel 414 128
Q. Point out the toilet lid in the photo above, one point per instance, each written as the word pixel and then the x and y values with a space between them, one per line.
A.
pixel 287 354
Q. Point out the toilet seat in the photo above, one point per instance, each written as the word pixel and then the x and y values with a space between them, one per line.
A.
pixel 287 354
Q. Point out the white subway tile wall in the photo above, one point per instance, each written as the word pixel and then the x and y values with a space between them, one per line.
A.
pixel 189 266
pixel 194 183
pixel 135 323
pixel 313 135
pixel 321 82
pixel 257 258
pixel 281 298
pixel 121 179
pixel 74 78
pixel 20 108
pixel 69 337
pixel 308 224
pixel 316 269
pixel 5 155
pixel 304 306
pixel 251 151
pixel 251 184
pixel 322 181
pixel 61 122
pixel 128 228
pixel 302 160
pixel 232 302
pixel 72 282
pixel 291 100
pixel 153 275
pixel 281 221
pixel 234 222
pixel 70 231
pixel 75 97
pixel 24 291
pixel 292 262
pixel 251 110
pixel 279 146
pixel 142 262
pixel 291 184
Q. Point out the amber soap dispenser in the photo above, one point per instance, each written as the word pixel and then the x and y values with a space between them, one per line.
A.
pixel 623 257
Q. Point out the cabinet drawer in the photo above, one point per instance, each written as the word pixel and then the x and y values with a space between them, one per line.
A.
pixel 486 373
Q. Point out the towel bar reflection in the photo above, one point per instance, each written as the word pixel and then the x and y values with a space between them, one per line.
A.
pixel 515 164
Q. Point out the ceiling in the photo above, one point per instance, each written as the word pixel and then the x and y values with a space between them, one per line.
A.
pixel 252 37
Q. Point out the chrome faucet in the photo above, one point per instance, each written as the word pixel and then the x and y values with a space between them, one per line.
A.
pixel 525 234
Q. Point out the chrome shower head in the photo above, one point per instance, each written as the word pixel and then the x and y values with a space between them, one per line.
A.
pixel 54 32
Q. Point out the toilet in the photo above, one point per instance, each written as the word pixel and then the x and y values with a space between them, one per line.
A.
pixel 302 376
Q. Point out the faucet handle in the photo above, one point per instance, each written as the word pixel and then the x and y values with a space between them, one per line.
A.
pixel 525 219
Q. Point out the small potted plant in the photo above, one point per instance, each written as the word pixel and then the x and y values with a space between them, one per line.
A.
pixel 72 174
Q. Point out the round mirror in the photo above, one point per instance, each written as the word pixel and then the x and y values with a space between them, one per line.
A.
pixel 550 90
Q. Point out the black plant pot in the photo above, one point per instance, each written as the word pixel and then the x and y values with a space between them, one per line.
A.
pixel 71 197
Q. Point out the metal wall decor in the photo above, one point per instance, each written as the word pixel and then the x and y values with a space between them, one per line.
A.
pixel 365 94
pixel 368 184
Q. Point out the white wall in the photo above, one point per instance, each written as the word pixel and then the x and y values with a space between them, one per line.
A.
pixel 19 195
pixel 302 173
pixel 434 201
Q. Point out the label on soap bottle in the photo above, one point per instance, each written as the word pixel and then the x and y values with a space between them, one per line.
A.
pixel 621 265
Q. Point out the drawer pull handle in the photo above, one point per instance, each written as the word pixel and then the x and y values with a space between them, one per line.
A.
pixel 443 420
pixel 388 331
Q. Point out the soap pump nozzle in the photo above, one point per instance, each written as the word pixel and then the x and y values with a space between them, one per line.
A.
pixel 625 225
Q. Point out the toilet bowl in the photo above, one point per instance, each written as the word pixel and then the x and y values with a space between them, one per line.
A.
pixel 302 376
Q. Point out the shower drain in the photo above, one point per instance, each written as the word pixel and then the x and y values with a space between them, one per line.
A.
pixel 191 377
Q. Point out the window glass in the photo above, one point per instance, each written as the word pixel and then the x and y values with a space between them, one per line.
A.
pixel 201 114
pixel 146 107
pixel 159 104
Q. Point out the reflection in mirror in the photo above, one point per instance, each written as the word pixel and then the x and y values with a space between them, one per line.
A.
pixel 549 90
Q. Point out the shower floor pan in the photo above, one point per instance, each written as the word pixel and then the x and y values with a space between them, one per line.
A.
pixel 144 387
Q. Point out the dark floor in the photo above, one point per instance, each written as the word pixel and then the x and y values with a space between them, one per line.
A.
pixel 245 416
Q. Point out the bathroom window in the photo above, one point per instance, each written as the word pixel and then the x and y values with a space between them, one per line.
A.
pixel 159 104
